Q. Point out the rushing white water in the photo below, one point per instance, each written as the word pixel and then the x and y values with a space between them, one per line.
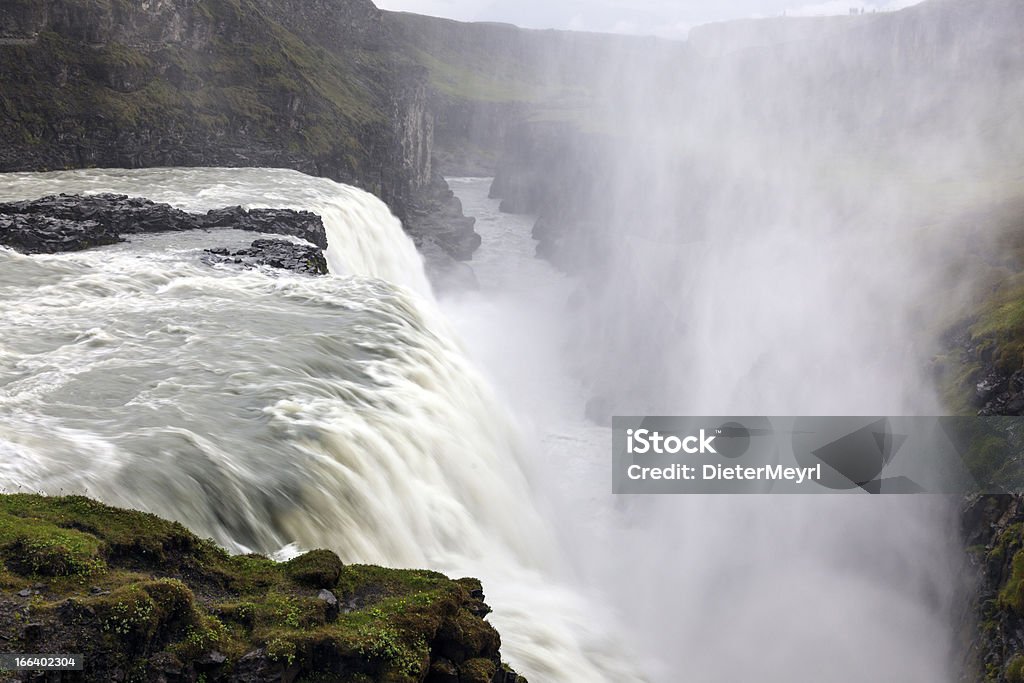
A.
pixel 271 410
pixel 363 237
pixel 714 588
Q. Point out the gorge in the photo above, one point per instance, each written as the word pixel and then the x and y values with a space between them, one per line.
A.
pixel 787 216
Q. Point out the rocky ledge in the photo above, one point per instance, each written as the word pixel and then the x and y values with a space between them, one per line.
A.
pixel 985 360
pixel 63 223
pixel 981 372
pixel 300 258
pixel 143 599
pixel 993 527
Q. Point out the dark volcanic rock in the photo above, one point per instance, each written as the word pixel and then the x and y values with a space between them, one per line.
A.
pixel 992 527
pixel 283 254
pixel 994 625
pixel 436 217
pixel 120 213
pixel 999 394
pixel 996 389
pixel 319 86
pixel 72 223
pixel 303 224
pixel 36 234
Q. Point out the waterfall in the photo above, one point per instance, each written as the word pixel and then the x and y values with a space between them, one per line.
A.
pixel 363 237
pixel 276 411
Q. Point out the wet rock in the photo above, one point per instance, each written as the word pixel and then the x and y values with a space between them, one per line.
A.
pixel 435 218
pixel 302 224
pixel 119 213
pixel 332 603
pixel 1006 397
pixel 34 234
pixel 62 223
pixel 991 527
pixel 257 667
pixel 32 632
pixel 992 384
pixel 166 663
pixel 212 659
pixel 443 671
pixel 300 258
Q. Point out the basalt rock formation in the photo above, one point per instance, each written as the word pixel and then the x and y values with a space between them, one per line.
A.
pixel 64 223
pixel 982 372
pixel 276 253
pixel 993 527
pixel 314 85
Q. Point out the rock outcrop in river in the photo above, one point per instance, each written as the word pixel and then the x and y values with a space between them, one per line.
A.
pixel 66 223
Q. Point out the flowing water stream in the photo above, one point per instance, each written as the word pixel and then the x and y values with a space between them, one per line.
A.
pixel 270 410
pixel 277 412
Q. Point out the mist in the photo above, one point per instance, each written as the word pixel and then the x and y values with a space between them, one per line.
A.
pixel 767 220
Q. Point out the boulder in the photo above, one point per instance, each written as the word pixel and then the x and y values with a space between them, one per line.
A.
pixel 300 258
pixel 63 223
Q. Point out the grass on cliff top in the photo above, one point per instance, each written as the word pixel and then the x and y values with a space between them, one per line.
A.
pixel 981 222
pixel 129 585
pixel 995 327
pixel 464 81
pixel 253 78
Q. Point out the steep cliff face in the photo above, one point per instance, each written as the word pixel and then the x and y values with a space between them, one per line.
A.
pixel 314 85
pixel 486 79
pixel 982 371
pixel 994 533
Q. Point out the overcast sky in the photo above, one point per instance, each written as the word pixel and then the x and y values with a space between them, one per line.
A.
pixel 668 18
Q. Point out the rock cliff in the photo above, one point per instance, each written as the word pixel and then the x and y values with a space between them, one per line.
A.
pixel 315 85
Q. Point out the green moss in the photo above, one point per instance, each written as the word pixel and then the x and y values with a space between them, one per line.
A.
pixel 253 81
pixel 465 79
pixel 1001 325
pixel 1007 543
pixel 1015 670
pixel 94 530
pixel 477 671
pixel 34 547
pixel 316 569
pixel 117 55
pixel 155 590
pixel 1011 595
pixel 995 328
pixel 987 450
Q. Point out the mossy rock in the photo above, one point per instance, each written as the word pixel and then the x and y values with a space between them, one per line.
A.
pixel 1011 595
pixel 38 548
pixel 88 579
pixel 316 569
pixel 477 671
pixel 1015 670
